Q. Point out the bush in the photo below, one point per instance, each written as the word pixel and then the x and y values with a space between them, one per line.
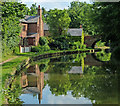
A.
pixel 35 49
pixel 40 48
pixel 59 43
pixel 83 46
pixel 17 50
pixel 43 41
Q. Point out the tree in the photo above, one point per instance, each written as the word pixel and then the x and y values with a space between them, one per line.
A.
pixel 33 10
pixel 58 21
pixel 11 13
pixel 80 13
pixel 106 19
pixel 13 9
pixel 44 14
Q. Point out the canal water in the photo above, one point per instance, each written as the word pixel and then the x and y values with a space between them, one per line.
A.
pixel 70 79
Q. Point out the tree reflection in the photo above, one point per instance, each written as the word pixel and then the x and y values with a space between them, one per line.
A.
pixel 98 83
pixel 103 55
pixel 59 84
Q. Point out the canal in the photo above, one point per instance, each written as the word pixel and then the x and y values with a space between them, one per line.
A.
pixel 69 79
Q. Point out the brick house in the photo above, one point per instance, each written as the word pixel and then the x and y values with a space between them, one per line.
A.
pixel 33 28
pixel 31 31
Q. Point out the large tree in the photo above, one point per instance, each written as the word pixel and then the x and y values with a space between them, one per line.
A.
pixel 58 21
pixel 13 9
pixel 106 17
pixel 11 13
pixel 80 13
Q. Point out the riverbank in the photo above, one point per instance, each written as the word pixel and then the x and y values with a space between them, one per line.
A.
pixel 9 68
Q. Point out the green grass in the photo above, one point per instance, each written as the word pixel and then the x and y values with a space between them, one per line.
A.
pixel 7 57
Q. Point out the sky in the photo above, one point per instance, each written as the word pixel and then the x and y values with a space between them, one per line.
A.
pixel 51 4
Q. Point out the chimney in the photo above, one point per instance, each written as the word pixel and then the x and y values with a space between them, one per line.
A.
pixel 80 25
pixel 38 10
pixel 41 30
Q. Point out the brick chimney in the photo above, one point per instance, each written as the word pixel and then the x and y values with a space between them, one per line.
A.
pixel 38 10
pixel 41 30
pixel 81 26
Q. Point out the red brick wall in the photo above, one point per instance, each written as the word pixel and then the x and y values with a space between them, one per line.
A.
pixel 23 30
pixel 32 28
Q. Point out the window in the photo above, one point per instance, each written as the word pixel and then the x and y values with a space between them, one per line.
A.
pixel 24 28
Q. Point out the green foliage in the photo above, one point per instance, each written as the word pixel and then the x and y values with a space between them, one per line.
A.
pixel 65 43
pixel 44 13
pixel 43 41
pixel 10 35
pixel 11 13
pixel 13 93
pixel 59 84
pixel 100 44
pixel 13 9
pixel 103 56
pixel 83 46
pixel 95 83
pixel 43 45
pixel 78 44
pixel 35 49
pixel 106 19
pixel 33 10
pixel 80 13
pixel 43 65
pixel 59 43
pixel 40 48
pixel 58 21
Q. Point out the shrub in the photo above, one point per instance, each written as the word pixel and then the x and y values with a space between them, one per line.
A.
pixel 40 48
pixel 83 46
pixel 78 44
pixel 59 43
pixel 43 41
pixel 35 49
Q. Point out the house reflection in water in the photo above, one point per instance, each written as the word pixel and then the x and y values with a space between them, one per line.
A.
pixel 32 81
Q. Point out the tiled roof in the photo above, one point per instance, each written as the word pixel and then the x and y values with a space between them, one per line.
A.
pixel 75 31
pixel 30 19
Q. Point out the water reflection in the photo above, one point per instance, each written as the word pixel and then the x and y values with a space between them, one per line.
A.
pixel 32 81
pixel 73 79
